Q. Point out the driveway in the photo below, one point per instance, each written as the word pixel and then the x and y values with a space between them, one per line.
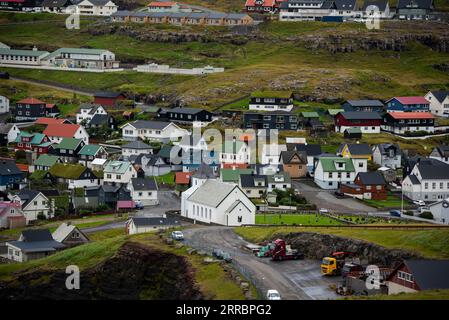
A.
pixel 326 199
pixel 294 279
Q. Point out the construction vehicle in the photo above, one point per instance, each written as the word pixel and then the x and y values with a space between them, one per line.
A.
pixel 282 251
pixel 266 251
pixel 333 265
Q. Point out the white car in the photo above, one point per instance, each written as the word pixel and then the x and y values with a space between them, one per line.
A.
pixel 177 235
pixel 324 210
pixel 273 295
pixel 420 203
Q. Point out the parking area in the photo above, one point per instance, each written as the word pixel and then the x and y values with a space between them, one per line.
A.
pixel 168 201
pixel 294 279
pixel 326 198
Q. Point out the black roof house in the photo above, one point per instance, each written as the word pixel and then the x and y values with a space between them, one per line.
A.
pixel 310 149
pixel 381 4
pixel 183 114
pixel 356 149
pixel 144 184
pixel 363 105
pixel 38 240
pixel 372 178
pixel 428 274
pixel 411 4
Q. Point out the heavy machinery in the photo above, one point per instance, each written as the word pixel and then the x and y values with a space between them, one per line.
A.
pixel 334 264
pixel 266 251
pixel 282 251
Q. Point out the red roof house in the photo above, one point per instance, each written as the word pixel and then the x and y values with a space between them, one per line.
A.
pixel 109 99
pixel 55 132
pixel 402 122
pixel 262 6
pixel 183 178
pixel 47 121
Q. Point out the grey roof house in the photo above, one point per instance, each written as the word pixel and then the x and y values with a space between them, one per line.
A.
pixel 33 244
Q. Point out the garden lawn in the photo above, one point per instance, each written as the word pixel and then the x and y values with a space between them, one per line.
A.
pixel 299 219
pixel 390 202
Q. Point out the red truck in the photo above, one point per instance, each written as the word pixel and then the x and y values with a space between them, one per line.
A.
pixel 283 252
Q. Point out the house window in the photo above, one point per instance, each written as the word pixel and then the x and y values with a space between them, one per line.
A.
pixel 405 276
pixel 35 203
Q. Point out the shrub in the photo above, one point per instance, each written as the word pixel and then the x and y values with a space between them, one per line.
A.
pixel 41 216
pixel 408 213
pixel 426 215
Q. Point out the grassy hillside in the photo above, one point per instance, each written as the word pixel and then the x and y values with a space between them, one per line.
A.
pixel 211 277
pixel 422 295
pixel 271 61
pixel 429 243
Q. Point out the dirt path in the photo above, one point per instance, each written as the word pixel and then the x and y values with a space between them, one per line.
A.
pixel 295 280
pixel 54 86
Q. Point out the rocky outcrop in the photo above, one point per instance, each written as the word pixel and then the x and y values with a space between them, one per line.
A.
pixel 317 246
pixel 135 271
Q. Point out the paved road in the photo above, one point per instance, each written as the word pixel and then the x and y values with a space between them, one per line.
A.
pixel 325 199
pixel 295 279
pixel 53 86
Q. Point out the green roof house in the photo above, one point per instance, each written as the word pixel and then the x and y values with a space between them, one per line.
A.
pixel 90 152
pixel 75 175
pixel 331 172
pixel 45 161
pixel 119 172
pixel 68 148
pixel 233 175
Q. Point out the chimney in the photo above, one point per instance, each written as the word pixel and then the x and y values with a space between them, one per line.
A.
pixel 34 48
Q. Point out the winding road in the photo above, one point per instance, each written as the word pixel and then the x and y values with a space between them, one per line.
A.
pixel 294 279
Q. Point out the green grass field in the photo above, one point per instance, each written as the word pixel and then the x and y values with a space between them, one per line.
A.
pixel 390 202
pixel 299 219
pixel 429 243
pixel 422 295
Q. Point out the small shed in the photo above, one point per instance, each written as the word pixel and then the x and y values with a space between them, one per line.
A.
pixel 352 133
pixel 125 205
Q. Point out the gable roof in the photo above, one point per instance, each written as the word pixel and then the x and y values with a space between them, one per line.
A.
pixel 365 103
pixel 9 167
pixel 381 4
pixel 36 240
pixel 443 151
pixel 100 119
pixel 422 4
pixel 6 127
pixel 146 124
pixel 204 172
pixel 36 235
pixel 385 147
pixel 309 149
pixel 370 178
pixel 440 95
pixel 285 175
pixel 428 274
pixel 117 167
pixel 144 183
pixel 185 110
pixel 287 156
pixel 356 148
pixel 153 221
pixel 90 149
pixel 411 115
pixel 249 180
pixel 233 175
pixel 61 130
pixel 68 143
pixel 182 177
pixel 31 101
pixel 64 230
pixel 433 170
pixel 329 164
pixel 211 193
pixel 44 120
pixel 55 3
pixel 310 114
pixel 358 115
pixel 136 145
pixel 46 160
pixel 27 195
pixel 411 100
pixel 67 171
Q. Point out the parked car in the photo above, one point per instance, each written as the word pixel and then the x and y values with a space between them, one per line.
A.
pixel 420 203
pixel 323 210
pixel 273 295
pixel 139 205
pixel 395 213
pixel 226 257
pixel 4 75
pixel 339 194
pixel 177 235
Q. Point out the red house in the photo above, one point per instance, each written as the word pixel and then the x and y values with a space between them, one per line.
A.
pixel 368 122
pixel 34 142
pixel 417 275
pixel 262 6
pixel 367 185
pixel 109 99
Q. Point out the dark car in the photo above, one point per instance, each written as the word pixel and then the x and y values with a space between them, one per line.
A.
pixel 4 75
pixel 339 194
pixel 395 213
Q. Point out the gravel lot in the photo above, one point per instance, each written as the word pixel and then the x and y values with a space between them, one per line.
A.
pixel 294 279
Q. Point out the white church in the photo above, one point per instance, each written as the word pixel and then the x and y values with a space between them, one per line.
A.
pixel 211 201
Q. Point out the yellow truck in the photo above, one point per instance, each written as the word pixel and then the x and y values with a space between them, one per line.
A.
pixel 333 265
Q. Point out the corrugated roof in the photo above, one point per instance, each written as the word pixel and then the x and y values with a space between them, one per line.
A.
pixel 211 193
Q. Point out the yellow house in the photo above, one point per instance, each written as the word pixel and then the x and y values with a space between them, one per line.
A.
pixel 356 151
